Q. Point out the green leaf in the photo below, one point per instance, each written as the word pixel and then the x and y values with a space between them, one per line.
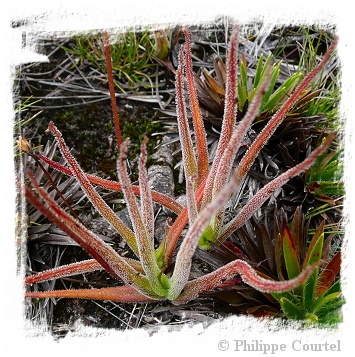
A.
pixel 288 295
pixel 263 71
pixel 313 255
pixel 324 189
pixel 259 69
pixel 334 288
pixel 242 96
pixel 274 75
pixel 290 253
pixel 291 310
pixel 282 92
pixel 331 312
pixel 323 301
pixel 243 73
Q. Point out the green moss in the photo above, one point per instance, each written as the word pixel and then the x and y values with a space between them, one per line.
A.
pixel 89 132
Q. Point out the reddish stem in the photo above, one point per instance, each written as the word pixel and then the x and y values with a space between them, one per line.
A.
pixel 111 85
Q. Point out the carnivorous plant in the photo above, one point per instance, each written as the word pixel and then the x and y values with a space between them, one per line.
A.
pixel 155 275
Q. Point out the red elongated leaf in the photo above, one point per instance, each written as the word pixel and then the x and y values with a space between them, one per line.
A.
pixel 189 244
pixel 147 211
pixel 297 231
pixel 93 196
pixel 191 199
pixel 200 134
pixel 81 236
pixel 64 271
pixel 111 86
pixel 180 223
pixel 328 274
pixel 188 155
pixel 226 162
pixel 111 261
pixel 82 267
pixel 263 194
pixel 145 242
pixel 278 256
pixel 124 293
pixel 157 197
pixel 276 120
pixel 229 116
pixel 249 276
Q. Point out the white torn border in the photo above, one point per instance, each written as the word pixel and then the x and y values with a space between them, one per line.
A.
pixel 47 16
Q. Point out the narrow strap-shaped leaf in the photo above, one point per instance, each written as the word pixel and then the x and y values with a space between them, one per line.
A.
pixel 278 256
pixel 91 193
pixel 215 90
pixel 242 85
pixel 258 71
pixel 188 155
pixel 291 310
pixel 226 163
pixel 96 247
pixel 228 122
pixel 180 223
pixel 147 210
pixel 248 275
pixel 313 255
pixel 320 302
pixel 227 159
pixel 274 75
pixel 144 241
pixel 290 253
pixel 282 93
pixel 64 271
pixel 314 250
pixel 82 267
pixel 276 120
pixel 124 293
pixel 297 232
pixel 200 134
pixel 191 199
pixel 112 88
pixel 264 193
pixel 157 197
